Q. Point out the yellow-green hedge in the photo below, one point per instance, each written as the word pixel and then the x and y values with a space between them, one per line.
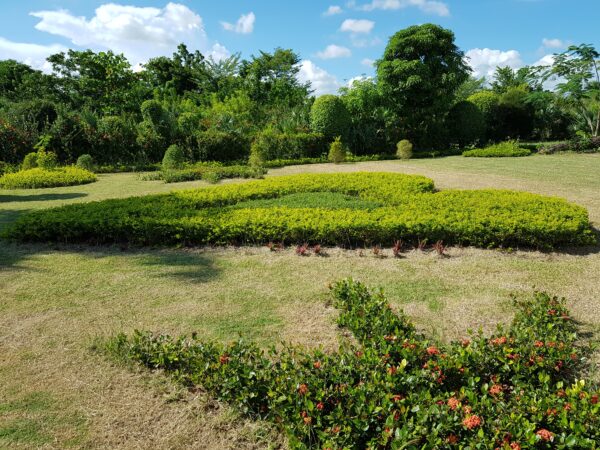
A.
pixel 411 210
pixel 42 178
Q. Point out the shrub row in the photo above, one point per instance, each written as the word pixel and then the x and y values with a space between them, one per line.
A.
pixel 412 211
pixel 42 178
pixel 504 149
pixel 580 145
pixel 209 172
pixel 397 389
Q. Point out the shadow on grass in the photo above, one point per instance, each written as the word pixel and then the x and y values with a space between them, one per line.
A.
pixel 40 197
pixel 188 266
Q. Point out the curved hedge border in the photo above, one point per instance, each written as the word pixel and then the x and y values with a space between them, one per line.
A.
pixel 412 211
pixel 41 178
pixel 396 389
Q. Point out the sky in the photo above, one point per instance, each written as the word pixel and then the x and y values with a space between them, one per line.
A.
pixel 337 41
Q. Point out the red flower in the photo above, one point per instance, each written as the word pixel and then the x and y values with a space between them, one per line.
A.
pixel 433 351
pixel 302 389
pixel 453 403
pixel 452 439
pixel 471 422
pixel 515 446
pixel 567 407
pixel 320 406
pixel 545 435
pixel 465 342
pixel 396 398
pixel 538 344
pixel 317 364
pixel 552 312
pixel 499 341
pixel 392 370
pixel 224 359
pixel 594 399
pixel 336 429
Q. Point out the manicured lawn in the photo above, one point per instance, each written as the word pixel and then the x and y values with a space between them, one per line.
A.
pixel 55 301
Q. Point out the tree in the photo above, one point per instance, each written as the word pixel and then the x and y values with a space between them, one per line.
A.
pixel 420 71
pixel 506 78
pixel 329 116
pixel 578 68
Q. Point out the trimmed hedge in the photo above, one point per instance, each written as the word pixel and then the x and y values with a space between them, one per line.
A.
pixel 41 178
pixel 273 145
pixel 503 150
pixel 412 212
pixel 397 389
pixel 209 172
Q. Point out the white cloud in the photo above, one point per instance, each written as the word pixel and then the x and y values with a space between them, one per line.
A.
pixel 427 6
pixel 360 42
pixel 244 25
pixel 484 61
pixel 138 32
pixel 32 54
pixel 333 10
pixel 546 60
pixel 219 52
pixel 352 80
pixel 357 25
pixel 553 43
pixel 322 81
pixel 334 51
pixel 368 62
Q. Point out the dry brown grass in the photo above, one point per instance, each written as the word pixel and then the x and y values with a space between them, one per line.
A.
pixel 55 392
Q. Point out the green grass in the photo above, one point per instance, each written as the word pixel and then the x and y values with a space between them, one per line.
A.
pixel 55 301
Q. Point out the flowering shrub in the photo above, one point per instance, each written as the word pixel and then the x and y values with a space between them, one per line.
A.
pixel 41 178
pixel 411 210
pixel 396 388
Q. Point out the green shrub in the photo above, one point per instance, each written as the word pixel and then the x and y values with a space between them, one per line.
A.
pixel 274 145
pixel 150 140
pixel 116 140
pixel 256 160
pixel 46 160
pixel 578 145
pixel 210 172
pixel 174 158
pixel 15 142
pixel 412 211
pixel 337 151
pixel 30 161
pixel 7 168
pixel 504 149
pixel 153 112
pixel 42 178
pixel 404 149
pixel 215 145
pixel 466 124
pixel 85 162
pixel 395 388
pixel 330 117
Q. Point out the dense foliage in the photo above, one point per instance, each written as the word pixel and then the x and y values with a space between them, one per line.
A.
pixel 411 211
pixel 96 104
pixel 43 178
pixel 502 150
pixel 578 145
pixel 395 388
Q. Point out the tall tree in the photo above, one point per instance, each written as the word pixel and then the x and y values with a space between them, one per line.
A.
pixel 420 71
pixel 579 71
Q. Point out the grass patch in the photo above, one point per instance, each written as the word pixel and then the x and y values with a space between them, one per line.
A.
pixel 329 200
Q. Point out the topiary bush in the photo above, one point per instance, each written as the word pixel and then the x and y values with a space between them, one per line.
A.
pixel 30 161
pixel 174 158
pixel 330 117
pixel 411 211
pixel 46 160
pixel 85 162
pixel 404 149
pixel 396 388
pixel 503 150
pixel 42 178
pixel 337 151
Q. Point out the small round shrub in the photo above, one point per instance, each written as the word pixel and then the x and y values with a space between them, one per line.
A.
pixel 330 117
pixel 404 149
pixel 337 151
pixel 47 160
pixel 85 162
pixel 174 158
pixel 30 161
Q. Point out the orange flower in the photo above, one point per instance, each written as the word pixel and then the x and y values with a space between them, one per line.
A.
pixel 538 344
pixel 465 342
pixel 499 341
pixel 545 435
pixel 495 389
pixel 302 389
pixel 515 446
pixel 336 429
pixel 453 403
pixel 224 359
pixel 317 364
pixel 307 420
pixel 433 351
pixel 471 422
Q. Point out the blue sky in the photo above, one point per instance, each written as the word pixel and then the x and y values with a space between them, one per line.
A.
pixel 337 41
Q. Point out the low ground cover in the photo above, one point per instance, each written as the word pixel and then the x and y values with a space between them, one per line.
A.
pixel 516 389
pixel 43 178
pixel 411 211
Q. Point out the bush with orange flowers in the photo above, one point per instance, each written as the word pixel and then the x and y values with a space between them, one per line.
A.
pixel 396 388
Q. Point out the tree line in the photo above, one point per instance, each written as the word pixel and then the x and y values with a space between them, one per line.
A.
pixel 96 103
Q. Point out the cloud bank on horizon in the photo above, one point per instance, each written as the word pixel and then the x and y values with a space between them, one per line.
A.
pixel 141 32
